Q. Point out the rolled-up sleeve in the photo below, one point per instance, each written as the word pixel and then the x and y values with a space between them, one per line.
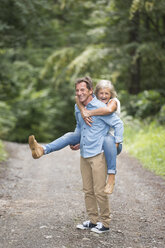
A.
pixel 115 122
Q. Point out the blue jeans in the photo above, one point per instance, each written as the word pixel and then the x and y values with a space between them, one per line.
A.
pixel 111 152
pixel 65 140
pixel 73 138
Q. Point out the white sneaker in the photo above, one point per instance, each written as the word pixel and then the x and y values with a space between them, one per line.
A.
pixel 86 225
pixel 100 228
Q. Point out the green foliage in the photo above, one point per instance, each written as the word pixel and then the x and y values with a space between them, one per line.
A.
pixel 161 115
pixel 125 57
pixel 145 105
pixel 7 119
pixel 22 21
pixel 148 103
pixel 146 142
pixel 30 112
pixel 63 118
pixel 46 45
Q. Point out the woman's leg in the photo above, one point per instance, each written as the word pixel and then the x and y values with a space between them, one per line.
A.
pixel 111 152
pixel 70 138
pixel 38 150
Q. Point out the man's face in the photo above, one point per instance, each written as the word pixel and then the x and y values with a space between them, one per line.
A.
pixel 83 93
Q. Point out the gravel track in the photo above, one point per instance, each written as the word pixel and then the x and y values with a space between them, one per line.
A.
pixel 41 201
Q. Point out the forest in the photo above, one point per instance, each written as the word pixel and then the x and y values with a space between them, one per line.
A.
pixel 46 45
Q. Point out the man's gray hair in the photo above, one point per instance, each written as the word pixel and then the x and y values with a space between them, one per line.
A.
pixel 86 80
pixel 105 84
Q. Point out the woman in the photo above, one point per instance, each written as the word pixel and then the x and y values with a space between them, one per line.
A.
pixel 106 93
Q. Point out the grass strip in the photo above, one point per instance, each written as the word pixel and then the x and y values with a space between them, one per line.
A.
pixel 147 143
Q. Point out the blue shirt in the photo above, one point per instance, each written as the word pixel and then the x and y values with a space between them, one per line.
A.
pixel 92 138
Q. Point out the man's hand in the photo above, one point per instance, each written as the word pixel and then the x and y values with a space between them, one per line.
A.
pixel 75 148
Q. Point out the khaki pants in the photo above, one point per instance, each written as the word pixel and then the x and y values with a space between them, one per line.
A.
pixel 94 173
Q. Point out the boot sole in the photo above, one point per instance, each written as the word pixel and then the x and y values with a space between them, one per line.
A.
pixel 32 146
pixel 31 142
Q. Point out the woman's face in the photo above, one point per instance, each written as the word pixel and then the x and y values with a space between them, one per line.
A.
pixel 104 95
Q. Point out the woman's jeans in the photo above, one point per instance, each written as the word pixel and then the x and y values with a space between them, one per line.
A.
pixel 111 152
pixel 73 138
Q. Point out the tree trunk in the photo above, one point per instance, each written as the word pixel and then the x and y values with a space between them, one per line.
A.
pixel 134 86
pixel 163 33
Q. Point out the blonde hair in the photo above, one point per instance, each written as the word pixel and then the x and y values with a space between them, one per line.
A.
pixel 105 84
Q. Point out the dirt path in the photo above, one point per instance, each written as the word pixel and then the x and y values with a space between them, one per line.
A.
pixel 41 202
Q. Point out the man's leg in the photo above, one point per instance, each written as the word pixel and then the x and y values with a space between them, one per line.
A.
pixel 90 199
pixel 99 174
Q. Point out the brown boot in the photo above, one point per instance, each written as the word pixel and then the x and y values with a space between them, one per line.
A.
pixel 36 149
pixel 110 184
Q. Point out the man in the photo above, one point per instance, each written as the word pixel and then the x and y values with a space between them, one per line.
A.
pixel 92 161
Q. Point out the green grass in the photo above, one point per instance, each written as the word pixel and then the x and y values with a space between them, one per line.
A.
pixel 3 154
pixel 147 143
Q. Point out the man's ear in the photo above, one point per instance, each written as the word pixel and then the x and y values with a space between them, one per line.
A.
pixel 91 92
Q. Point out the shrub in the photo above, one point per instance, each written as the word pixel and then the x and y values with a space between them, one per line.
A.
pixel 146 105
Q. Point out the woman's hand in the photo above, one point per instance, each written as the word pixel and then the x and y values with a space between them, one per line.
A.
pixel 86 116
pixel 88 121
pixel 85 113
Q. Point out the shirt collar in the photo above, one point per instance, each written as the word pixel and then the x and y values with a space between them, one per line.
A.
pixel 92 102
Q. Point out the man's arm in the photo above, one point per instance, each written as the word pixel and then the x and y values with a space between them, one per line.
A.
pixel 78 132
pixel 78 128
pixel 115 122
